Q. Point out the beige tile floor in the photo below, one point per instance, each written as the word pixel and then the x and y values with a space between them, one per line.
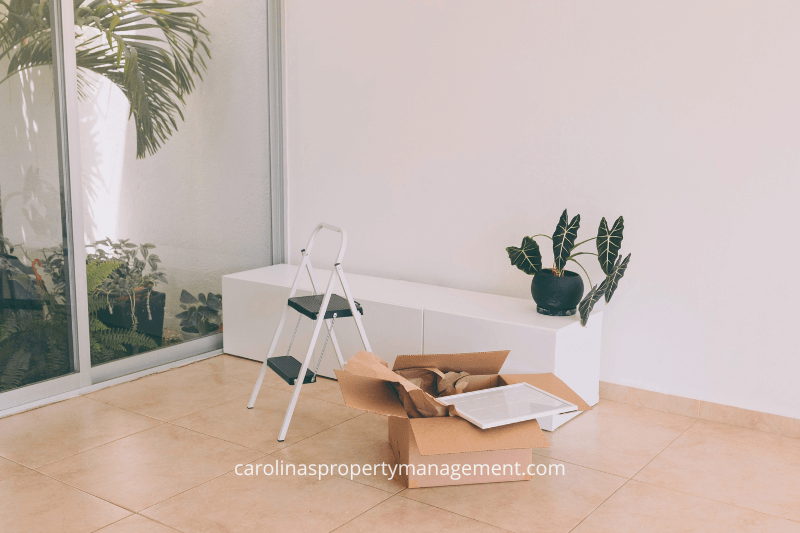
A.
pixel 157 455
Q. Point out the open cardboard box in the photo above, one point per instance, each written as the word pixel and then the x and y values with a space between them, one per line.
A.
pixel 451 441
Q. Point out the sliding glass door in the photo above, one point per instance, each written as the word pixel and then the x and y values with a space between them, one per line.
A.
pixel 134 173
pixel 175 172
pixel 38 331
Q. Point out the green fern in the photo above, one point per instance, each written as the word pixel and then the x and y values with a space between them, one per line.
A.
pixel 108 344
pixel 98 271
pixel 33 348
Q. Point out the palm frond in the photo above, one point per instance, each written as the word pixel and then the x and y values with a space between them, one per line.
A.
pixel 152 51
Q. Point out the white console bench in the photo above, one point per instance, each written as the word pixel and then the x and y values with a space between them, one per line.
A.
pixel 403 318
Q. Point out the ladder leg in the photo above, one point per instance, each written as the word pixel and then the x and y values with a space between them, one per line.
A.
pixel 336 345
pixel 264 367
pixel 301 376
pixel 356 314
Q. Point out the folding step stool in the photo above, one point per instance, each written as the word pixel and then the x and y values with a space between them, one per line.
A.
pixel 320 308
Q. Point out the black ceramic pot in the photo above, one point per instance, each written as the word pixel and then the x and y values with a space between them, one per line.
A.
pixel 556 295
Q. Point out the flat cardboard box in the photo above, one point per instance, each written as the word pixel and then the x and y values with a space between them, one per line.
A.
pixel 418 443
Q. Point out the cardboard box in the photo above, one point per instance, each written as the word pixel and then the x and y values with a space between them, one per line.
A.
pixel 427 449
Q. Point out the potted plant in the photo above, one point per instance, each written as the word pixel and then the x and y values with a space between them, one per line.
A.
pixel 201 315
pixel 558 291
pixel 130 299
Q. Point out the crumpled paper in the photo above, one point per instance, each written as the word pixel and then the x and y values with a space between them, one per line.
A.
pixel 417 388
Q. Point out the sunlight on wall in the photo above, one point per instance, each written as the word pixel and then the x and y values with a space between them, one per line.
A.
pixel 104 118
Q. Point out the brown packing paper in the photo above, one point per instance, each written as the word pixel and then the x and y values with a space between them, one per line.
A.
pixel 424 378
pixel 416 402
pixel 448 382
pixel 435 382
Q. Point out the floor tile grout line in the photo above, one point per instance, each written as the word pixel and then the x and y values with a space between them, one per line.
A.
pixel 664 448
pixel 400 494
pixel 599 505
pixel 117 406
pixel 87 492
pixel 315 434
pixel 634 475
pixel 111 524
pixel 16 463
pixel 228 472
pixel 131 510
pixel 248 447
pixel 389 494
pixel 176 418
pixel 159 522
pixel 340 526
pixel 95 447
pixel 216 438
pixel 274 386
pixel 187 490
pixel 695 495
pixel 581 466
pixel 716 501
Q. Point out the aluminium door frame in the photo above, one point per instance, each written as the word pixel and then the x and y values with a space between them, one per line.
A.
pixel 65 95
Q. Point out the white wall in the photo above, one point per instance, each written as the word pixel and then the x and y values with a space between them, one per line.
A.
pixel 203 199
pixel 439 132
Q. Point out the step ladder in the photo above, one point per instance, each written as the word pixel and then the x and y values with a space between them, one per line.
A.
pixel 321 308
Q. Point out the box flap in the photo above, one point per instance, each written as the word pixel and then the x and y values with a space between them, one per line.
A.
pixel 474 363
pixel 548 383
pixel 456 435
pixel 369 394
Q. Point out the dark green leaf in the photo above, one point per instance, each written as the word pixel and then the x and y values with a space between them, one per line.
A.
pixel 615 276
pixel 215 301
pixel 527 258
pixel 187 298
pixel 591 298
pixel 608 244
pixel 564 239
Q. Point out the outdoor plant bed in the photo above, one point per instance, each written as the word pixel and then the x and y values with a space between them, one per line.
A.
pixel 558 291
pixel 149 313
pixel 126 313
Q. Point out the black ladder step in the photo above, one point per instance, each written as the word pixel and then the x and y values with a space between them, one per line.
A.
pixel 310 306
pixel 288 368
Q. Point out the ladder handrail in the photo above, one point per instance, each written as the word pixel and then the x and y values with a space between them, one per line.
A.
pixel 321 226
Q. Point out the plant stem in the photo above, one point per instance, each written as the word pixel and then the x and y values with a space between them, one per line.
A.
pixel 582 242
pixel 584 271
pixel 581 253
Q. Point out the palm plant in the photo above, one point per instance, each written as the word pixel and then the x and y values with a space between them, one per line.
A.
pixel 151 50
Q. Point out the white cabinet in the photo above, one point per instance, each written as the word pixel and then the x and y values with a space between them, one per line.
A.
pixel 412 318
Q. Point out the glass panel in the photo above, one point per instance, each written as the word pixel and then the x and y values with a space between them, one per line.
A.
pixel 35 319
pixel 170 205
